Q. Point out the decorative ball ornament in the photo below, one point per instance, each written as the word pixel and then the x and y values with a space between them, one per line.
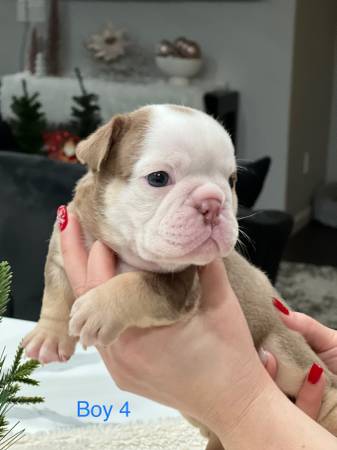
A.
pixel 181 48
pixel 187 48
pixel 108 45
pixel 166 48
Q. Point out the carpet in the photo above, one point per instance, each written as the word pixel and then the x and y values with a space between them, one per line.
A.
pixel 164 434
pixel 310 289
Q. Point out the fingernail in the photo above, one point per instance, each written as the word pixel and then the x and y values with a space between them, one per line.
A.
pixel 62 217
pixel 280 306
pixel 315 373
pixel 263 356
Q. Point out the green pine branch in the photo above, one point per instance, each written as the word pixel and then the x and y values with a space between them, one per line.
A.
pixel 5 285
pixel 12 379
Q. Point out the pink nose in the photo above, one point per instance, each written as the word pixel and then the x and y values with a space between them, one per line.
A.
pixel 210 208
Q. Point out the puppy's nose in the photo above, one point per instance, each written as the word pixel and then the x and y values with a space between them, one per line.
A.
pixel 210 208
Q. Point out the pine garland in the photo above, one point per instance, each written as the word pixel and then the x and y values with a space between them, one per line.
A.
pixel 11 379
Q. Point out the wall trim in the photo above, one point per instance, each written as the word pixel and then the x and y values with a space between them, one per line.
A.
pixel 301 219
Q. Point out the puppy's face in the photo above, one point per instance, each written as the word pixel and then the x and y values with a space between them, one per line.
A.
pixel 166 177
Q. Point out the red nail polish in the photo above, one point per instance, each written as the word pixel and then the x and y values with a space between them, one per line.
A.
pixel 315 373
pixel 62 217
pixel 280 306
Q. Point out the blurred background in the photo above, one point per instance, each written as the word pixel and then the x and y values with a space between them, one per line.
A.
pixel 267 69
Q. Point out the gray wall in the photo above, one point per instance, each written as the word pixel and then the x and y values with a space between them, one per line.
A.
pixel 248 44
pixel 311 99
pixel 11 33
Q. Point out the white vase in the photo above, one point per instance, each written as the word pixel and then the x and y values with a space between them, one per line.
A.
pixel 180 70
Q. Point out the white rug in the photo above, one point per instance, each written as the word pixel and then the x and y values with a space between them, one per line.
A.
pixel 165 434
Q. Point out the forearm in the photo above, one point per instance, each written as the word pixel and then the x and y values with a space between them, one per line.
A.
pixel 272 422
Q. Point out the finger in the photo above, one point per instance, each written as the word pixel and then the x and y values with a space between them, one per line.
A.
pixel 309 398
pixel 75 255
pixel 214 283
pixel 101 265
pixel 319 337
pixel 269 361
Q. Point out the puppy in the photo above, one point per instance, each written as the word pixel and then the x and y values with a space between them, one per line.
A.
pixel 160 191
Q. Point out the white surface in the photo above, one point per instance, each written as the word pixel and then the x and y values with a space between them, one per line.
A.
pixel 84 377
pixel 114 97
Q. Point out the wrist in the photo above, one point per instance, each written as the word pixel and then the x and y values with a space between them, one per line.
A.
pixel 230 405
pixel 271 422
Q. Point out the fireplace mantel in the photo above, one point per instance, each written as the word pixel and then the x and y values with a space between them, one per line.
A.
pixel 114 97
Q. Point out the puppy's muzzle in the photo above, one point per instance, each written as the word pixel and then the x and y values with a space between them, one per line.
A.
pixel 210 209
pixel 208 200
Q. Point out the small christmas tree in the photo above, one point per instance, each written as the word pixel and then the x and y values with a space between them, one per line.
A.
pixel 86 113
pixel 11 380
pixel 30 123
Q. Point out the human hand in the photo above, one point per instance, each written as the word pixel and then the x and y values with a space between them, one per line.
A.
pixel 323 341
pixel 160 363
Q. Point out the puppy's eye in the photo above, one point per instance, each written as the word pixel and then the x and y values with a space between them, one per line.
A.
pixel 232 180
pixel 158 179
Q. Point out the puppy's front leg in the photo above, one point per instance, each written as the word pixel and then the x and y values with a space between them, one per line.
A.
pixel 141 299
pixel 49 341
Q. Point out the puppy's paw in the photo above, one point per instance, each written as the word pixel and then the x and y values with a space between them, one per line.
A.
pixel 93 321
pixel 49 342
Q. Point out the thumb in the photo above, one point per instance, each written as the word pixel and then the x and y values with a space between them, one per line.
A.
pixel 214 283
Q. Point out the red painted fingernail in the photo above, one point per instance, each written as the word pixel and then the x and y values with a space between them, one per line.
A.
pixel 315 373
pixel 280 306
pixel 62 217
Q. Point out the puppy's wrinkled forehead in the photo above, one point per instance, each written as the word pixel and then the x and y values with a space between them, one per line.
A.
pixel 186 139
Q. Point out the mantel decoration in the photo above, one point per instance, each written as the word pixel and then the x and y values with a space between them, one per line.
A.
pixel 118 56
pixel 53 40
pixel 33 50
pixel 30 122
pixel 86 112
pixel 180 59
pixel 34 134
pixel 108 45
pixel 61 145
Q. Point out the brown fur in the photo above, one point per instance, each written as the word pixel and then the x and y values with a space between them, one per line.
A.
pixel 146 299
pixel 182 109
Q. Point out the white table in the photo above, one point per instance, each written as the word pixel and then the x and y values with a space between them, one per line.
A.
pixel 83 378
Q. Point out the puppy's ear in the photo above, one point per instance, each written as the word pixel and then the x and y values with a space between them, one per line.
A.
pixel 96 148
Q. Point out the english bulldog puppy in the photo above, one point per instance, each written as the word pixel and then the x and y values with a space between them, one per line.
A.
pixel 160 192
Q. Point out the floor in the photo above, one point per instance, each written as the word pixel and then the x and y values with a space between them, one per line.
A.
pixel 314 244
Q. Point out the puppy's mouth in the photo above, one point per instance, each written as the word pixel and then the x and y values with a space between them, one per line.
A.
pixel 192 242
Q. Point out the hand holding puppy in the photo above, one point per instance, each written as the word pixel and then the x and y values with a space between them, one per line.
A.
pixel 160 363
